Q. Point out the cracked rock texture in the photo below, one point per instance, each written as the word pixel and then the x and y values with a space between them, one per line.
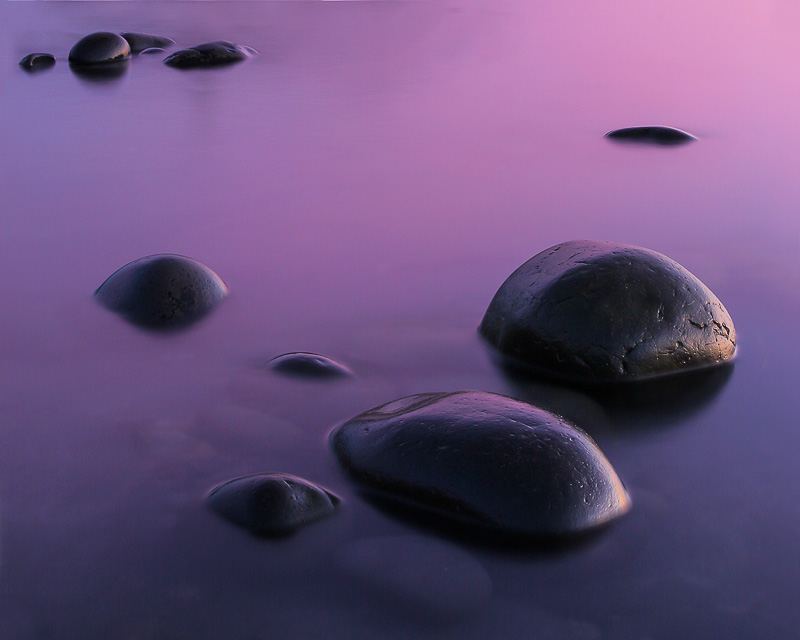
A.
pixel 483 459
pixel 141 41
pixel 162 291
pixel 271 504
pixel 208 54
pixel 99 48
pixel 602 312
pixel 652 135
pixel 308 365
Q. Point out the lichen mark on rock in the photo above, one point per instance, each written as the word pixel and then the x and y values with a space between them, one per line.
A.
pixel 272 504
pixel 484 461
pixel 604 312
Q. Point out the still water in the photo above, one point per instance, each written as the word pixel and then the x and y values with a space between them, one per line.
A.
pixel 363 187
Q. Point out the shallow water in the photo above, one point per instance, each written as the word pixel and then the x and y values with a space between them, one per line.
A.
pixel 363 187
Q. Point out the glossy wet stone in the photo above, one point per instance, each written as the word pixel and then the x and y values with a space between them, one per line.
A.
pixel 152 51
pixel 271 504
pixel 652 134
pixel 308 365
pixel 162 291
pixel 99 48
pixel 209 54
pixel 140 41
pixel 603 312
pixel 417 575
pixel 37 61
pixel 483 459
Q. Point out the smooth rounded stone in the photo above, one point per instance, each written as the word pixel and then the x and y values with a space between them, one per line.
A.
pixel 271 504
pixel 152 51
pixel 162 291
pixel 603 312
pixel 417 574
pixel 37 61
pixel 209 54
pixel 651 134
pixel 308 365
pixel 99 48
pixel 141 41
pixel 483 459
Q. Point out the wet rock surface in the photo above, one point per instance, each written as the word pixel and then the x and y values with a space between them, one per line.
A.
pixel 271 504
pixel 308 365
pixel 152 51
pixel 652 135
pixel 602 312
pixel 37 61
pixel 162 292
pixel 483 459
pixel 209 54
pixel 140 41
pixel 99 48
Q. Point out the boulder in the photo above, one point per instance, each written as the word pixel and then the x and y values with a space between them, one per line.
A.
pixel 209 54
pixel 99 48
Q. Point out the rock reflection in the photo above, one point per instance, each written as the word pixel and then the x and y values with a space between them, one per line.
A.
pixel 100 74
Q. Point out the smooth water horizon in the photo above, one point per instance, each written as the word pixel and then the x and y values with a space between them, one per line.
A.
pixel 363 186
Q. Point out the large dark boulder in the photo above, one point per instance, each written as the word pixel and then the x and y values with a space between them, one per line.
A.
pixel 653 135
pixel 141 41
pixel 484 459
pixel 271 504
pixel 162 291
pixel 602 312
pixel 209 54
pixel 99 48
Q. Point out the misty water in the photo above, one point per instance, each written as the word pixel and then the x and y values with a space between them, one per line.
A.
pixel 364 186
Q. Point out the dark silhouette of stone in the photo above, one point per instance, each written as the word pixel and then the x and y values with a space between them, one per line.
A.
pixel 36 61
pixel 602 312
pixel 483 459
pixel 652 135
pixel 141 41
pixel 209 54
pixel 162 291
pixel 99 48
pixel 308 365
pixel 271 504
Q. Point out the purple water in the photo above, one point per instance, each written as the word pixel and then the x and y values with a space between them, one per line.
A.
pixel 363 187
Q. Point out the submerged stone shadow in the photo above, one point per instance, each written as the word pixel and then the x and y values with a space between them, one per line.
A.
pixel 639 404
pixel 101 73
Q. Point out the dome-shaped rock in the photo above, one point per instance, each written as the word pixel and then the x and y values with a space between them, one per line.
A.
pixel 308 365
pixel 271 504
pixel 152 51
pixel 162 291
pixel 602 312
pixel 482 458
pixel 37 61
pixel 99 48
pixel 141 41
pixel 652 135
pixel 209 54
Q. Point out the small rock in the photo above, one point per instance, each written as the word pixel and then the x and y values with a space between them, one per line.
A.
pixel 141 41
pixel 152 51
pixel 308 365
pixel 37 61
pixel 271 504
pixel 162 291
pixel 653 135
pixel 209 54
pixel 99 48
pixel 603 312
pixel 483 459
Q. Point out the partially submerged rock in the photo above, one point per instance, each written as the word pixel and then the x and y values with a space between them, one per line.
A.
pixel 484 459
pixel 152 51
pixel 162 291
pixel 308 365
pixel 99 48
pixel 141 41
pixel 602 312
pixel 37 61
pixel 651 134
pixel 209 54
pixel 271 504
